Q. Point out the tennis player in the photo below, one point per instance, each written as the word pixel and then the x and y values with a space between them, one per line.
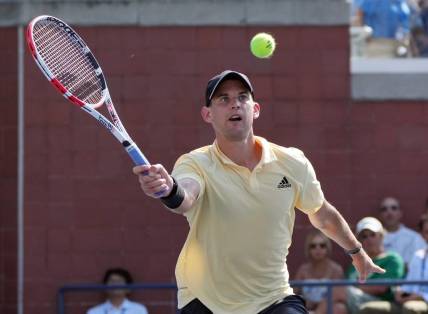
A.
pixel 239 197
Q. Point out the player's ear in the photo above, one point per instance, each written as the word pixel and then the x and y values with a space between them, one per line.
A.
pixel 256 109
pixel 206 114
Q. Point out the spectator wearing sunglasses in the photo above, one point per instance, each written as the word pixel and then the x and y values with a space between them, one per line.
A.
pixel 320 267
pixel 398 238
pixel 374 299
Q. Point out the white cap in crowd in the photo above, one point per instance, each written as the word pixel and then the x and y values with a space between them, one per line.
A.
pixel 369 223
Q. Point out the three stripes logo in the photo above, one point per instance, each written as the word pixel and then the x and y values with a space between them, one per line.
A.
pixel 284 184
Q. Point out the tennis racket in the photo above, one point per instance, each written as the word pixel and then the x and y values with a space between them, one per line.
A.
pixel 68 63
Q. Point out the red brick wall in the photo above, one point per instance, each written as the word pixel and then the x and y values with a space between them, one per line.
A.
pixel 83 208
pixel 8 169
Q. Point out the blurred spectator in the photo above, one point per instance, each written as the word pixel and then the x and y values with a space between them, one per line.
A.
pixel 419 42
pixel 390 23
pixel 414 298
pixel 423 7
pixel 117 301
pixel 320 267
pixel 419 28
pixel 415 14
pixel 374 299
pixel 399 238
pixel 359 35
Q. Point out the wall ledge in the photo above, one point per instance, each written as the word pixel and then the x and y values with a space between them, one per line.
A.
pixel 389 79
pixel 179 12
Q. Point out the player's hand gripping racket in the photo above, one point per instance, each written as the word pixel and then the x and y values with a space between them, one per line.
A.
pixel 68 63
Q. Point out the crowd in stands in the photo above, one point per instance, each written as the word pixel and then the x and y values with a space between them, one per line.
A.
pixel 397 28
pixel 320 266
pixel 398 249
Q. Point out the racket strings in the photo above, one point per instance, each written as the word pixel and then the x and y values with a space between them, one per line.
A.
pixel 83 90
pixel 66 77
pixel 67 61
pixel 48 42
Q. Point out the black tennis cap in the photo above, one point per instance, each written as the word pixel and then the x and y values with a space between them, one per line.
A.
pixel 223 76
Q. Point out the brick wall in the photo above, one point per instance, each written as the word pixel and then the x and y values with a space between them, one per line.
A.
pixel 83 208
pixel 8 170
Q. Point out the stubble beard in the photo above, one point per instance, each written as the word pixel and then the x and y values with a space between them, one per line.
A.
pixel 238 135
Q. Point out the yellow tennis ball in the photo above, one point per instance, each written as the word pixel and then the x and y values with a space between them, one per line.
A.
pixel 262 45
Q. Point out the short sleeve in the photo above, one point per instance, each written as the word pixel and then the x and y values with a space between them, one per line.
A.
pixel 186 167
pixel 311 197
pixel 417 264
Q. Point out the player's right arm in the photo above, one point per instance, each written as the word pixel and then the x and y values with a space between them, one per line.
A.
pixel 328 220
pixel 179 196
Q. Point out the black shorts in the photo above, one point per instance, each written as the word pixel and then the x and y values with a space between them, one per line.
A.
pixel 293 304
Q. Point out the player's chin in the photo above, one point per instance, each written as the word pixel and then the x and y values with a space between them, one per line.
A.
pixel 237 135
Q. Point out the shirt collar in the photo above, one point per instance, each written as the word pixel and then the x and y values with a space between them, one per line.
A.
pixel 267 153
pixel 124 306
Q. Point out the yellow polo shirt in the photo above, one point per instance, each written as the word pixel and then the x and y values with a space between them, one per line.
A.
pixel 234 257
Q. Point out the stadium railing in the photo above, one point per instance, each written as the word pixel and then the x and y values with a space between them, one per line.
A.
pixel 330 284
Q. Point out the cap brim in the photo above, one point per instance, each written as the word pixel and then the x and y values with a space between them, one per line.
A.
pixel 226 75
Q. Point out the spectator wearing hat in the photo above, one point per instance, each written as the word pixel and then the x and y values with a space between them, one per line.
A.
pixel 374 299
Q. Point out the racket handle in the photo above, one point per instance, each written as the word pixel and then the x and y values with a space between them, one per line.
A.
pixel 139 159
pixel 136 155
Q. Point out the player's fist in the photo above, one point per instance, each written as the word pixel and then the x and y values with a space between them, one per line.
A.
pixel 154 180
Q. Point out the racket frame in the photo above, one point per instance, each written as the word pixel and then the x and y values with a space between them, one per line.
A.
pixel 116 128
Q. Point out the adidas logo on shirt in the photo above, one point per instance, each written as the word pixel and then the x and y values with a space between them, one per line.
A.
pixel 284 184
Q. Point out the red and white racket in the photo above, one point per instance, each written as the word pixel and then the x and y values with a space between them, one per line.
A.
pixel 68 63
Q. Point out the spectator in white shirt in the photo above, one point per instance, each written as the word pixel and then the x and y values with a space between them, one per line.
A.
pixel 117 301
pixel 414 298
pixel 398 238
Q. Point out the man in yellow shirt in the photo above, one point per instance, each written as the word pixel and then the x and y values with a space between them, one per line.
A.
pixel 239 195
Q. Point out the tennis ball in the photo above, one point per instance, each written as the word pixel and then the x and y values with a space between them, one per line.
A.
pixel 262 45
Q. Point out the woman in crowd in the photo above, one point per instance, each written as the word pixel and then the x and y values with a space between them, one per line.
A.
pixel 319 266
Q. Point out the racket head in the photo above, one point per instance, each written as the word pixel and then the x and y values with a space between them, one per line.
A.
pixel 66 61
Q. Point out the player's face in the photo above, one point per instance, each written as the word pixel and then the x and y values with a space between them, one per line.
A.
pixel 390 213
pixel 232 111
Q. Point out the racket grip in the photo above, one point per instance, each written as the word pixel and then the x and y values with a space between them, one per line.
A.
pixel 136 155
pixel 139 159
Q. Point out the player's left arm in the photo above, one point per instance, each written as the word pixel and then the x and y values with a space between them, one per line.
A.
pixel 332 224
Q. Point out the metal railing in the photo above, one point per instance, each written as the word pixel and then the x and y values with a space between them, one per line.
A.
pixel 99 287
pixel 329 284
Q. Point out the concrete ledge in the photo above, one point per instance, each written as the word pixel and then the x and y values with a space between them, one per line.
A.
pixel 179 12
pixel 389 79
pixel 389 86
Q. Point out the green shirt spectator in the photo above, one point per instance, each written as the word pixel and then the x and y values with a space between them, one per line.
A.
pixel 391 262
pixel 374 299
